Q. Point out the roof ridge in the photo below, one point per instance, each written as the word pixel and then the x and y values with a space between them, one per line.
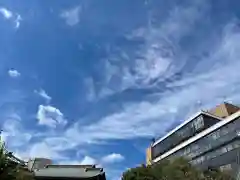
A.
pixel 230 104
pixel 70 166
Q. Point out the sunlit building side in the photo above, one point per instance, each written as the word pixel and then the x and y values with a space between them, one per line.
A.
pixel 210 139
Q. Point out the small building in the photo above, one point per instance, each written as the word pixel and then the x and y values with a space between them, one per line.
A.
pixel 69 172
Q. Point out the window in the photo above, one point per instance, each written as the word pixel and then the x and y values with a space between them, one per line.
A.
pixel 198 123
pixel 226 167
pixel 212 140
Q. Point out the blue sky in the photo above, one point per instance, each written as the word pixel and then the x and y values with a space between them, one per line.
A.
pixel 92 81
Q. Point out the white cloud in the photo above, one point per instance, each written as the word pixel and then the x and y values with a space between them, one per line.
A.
pixel 71 16
pixel 13 73
pixel 159 57
pixel 43 150
pixel 50 116
pixel 13 132
pixel 6 13
pixel 59 143
pixel 130 122
pixel 17 21
pixel 69 162
pixel 39 150
pixel 90 91
pixel 112 158
pixel 205 83
pixel 11 16
pixel 213 80
pixel 87 160
pixel 43 94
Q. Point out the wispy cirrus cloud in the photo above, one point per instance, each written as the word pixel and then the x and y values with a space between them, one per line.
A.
pixel 160 56
pixel 6 13
pixel 91 91
pixel 9 15
pixel 17 21
pixel 214 79
pixel 43 94
pixel 71 16
pixel 157 58
pixel 86 160
pixel 39 149
pixel 101 161
pixel 13 131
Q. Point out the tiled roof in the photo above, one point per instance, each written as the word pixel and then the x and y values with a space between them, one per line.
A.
pixel 69 172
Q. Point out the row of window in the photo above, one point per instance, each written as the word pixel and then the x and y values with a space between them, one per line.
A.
pixel 226 167
pixel 201 147
pixel 213 140
pixel 179 136
pixel 213 154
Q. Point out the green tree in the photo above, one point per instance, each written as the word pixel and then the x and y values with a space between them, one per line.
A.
pixel 178 169
pixel 216 174
pixel 23 174
pixel 139 173
pixel 8 169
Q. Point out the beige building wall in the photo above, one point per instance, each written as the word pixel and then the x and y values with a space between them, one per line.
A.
pixel 148 156
pixel 224 110
pixel 38 163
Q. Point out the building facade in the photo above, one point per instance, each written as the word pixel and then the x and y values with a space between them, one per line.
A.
pixel 206 140
pixel 148 156
pixel 189 128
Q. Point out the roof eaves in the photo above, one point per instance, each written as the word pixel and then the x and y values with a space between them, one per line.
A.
pixel 200 135
pixel 68 172
pixel 178 127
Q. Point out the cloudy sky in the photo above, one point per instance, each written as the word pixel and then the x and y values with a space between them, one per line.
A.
pixel 92 81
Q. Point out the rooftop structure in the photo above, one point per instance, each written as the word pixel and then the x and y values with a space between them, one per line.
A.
pixel 184 131
pixel 69 172
pixel 43 169
pixel 224 110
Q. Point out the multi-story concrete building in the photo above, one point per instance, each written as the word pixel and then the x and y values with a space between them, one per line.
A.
pixel 208 139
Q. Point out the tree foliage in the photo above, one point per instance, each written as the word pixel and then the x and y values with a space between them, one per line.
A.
pixel 10 170
pixel 178 169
